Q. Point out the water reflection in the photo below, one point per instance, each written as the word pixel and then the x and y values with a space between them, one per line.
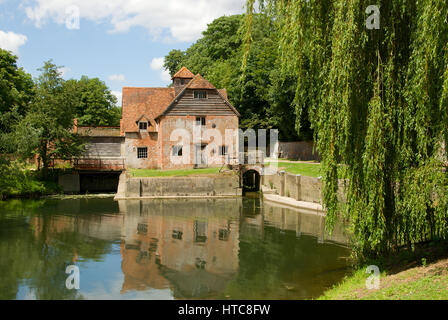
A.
pixel 159 249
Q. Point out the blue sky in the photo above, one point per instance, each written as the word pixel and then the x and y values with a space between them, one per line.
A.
pixel 122 42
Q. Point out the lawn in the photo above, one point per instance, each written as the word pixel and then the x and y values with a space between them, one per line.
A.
pixel 305 169
pixel 426 282
pixel 141 173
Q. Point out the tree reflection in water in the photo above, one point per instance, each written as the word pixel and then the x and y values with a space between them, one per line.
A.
pixel 235 248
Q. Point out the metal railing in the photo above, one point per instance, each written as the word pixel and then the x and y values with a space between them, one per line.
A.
pixel 99 164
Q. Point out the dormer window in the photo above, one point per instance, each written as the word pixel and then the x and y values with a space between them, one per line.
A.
pixel 200 94
pixel 143 126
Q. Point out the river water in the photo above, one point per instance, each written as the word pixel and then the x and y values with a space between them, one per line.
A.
pixel 166 249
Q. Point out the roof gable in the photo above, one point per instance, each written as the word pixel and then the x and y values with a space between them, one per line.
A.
pixel 199 83
pixel 184 73
pixel 148 102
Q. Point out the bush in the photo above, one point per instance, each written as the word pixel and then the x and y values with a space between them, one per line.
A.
pixel 16 180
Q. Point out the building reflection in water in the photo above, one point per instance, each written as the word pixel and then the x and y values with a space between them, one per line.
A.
pixel 206 248
pixel 189 245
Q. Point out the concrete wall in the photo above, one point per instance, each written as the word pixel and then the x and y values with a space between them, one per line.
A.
pixel 301 150
pixel 70 183
pixel 297 187
pixel 204 186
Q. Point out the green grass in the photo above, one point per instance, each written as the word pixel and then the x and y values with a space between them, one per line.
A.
pixel 305 169
pixel 141 173
pixel 419 283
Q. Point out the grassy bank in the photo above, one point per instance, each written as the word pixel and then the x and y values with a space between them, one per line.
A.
pixel 422 275
pixel 16 181
pixel 419 283
pixel 305 169
pixel 143 173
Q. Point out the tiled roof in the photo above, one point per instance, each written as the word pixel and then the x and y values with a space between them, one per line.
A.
pixel 155 102
pixel 99 131
pixel 184 73
pixel 144 101
pixel 199 82
pixel 223 92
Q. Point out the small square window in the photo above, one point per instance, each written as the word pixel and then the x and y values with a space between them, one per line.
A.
pixel 143 126
pixel 200 94
pixel 200 121
pixel 224 234
pixel 182 82
pixel 177 234
pixel 142 153
pixel 224 150
pixel 177 151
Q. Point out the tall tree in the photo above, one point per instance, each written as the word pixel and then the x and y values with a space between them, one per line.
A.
pixel 47 129
pixel 377 100
pixel 95 105
pixel 16 90
pixel 263 96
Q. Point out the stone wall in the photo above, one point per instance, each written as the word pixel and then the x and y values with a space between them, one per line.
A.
pixel 166 187
pixel 297 187
pixel 301 150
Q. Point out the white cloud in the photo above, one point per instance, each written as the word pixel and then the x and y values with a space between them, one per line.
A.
pixel 157 65
pixel 12 41
pixel 117 77
pixel 119 96
pixel 180 20
pixel 64 71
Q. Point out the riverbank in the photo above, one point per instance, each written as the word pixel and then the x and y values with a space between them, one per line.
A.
pixel 18 182
pixel 422 275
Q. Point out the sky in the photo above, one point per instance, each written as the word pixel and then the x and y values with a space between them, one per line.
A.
pixel 122 42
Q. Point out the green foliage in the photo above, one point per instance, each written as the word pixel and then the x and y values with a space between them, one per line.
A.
pixel 378 102
pixel 304 169
pixel 95 104
pixel 17 181
pixel 46 130
pixel 260 92
pixel 16 90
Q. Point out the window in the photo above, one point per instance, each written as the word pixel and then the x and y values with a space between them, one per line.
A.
pixel 223 234
pixel 142 228
pixel 200 94
pixel 224 150
pixel 177 151
pixel 182 82
pixel 142 153
pixel 177 234
pixel 200 231
pixel 200 121
pixel 143 126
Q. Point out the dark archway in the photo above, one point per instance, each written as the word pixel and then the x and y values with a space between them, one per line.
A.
pixel 98 182
pixel 251 181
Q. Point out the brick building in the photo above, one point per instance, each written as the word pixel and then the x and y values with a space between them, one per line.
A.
pixel 190 125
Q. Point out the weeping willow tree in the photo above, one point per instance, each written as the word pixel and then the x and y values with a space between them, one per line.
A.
pixel 378 103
